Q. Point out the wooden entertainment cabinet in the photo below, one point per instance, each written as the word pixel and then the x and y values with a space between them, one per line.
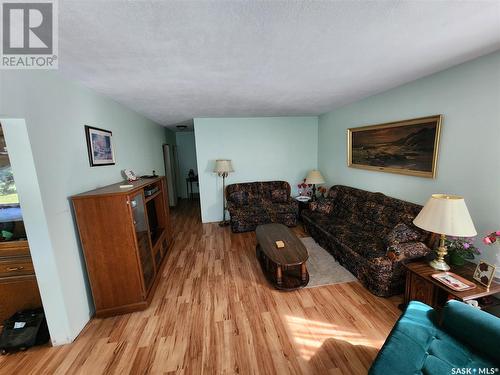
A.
pixel 125 235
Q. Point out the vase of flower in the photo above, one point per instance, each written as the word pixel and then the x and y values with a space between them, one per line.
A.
pixel 323 192
pixel 492 238
pixel 304 189
pixel 460 249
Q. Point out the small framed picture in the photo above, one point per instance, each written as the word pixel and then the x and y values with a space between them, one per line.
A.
pixel 484 273
pixel 99 146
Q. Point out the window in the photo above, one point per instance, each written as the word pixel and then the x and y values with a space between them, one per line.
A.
pixel 11 219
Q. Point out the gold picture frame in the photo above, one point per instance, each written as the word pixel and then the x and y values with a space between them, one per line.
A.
pixel 484 273
pixel 408 147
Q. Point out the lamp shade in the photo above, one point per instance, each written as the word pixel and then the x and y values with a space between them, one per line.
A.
pixel 446 214
pixel 223 166
pixel 314 177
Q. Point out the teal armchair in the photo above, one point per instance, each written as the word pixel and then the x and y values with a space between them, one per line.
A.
pixel 466 338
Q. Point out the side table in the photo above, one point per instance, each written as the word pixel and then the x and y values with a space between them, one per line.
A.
pixel 303 205
pixel 422 287
pixel 189 186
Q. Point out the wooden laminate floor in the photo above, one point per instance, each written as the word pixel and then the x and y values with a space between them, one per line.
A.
pixel 214 313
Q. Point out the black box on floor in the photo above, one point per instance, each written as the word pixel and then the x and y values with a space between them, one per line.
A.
pixel 23 330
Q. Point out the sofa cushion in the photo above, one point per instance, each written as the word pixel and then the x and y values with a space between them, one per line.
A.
pixel 246 218
pixel 417 345
pixel 240 198
pixel 359 205
pixel 478 329
pixel 324 206
pixel 402 233
pixel 281 207
pixel 366 244
pixel 328 224
pixel 279 196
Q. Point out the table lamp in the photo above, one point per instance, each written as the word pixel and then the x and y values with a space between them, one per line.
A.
pixel 446 215
pixel 223 167
pixel 314 178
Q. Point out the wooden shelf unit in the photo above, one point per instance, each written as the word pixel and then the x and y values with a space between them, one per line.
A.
pixel 152 196
pixel 125 237
pixel 18 286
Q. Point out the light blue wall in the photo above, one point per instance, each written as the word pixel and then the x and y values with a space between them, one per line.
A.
pixel 468 96
pixel 55 111
pixel 261 149
pixel 169 137
pixel 186 152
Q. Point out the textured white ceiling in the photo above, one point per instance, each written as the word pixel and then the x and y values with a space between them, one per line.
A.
pixel 173 61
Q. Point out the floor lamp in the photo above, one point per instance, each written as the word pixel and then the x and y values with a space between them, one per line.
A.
pixel 223 167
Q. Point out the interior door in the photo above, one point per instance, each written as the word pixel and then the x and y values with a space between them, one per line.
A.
pixel 142 235
pixel 170 159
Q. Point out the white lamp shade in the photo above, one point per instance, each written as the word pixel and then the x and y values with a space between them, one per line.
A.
pixel 314 178
pixel 446 214
pixel 223 166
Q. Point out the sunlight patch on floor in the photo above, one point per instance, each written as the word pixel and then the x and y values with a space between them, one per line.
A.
pixel 310 335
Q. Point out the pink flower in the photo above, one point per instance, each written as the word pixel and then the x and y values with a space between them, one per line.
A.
pixel 487 240
pixel 497 232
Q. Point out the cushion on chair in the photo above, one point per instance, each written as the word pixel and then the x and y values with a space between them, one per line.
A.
pixel 240 198
pixel 280 207
pixel 279 196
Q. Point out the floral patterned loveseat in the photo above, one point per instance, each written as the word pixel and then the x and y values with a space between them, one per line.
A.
pixel 254 203
pixel 370 234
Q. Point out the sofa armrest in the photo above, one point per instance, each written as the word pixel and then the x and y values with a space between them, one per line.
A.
pixel 230 205
pixel 408 250
pixel 403 352
pixel 474 327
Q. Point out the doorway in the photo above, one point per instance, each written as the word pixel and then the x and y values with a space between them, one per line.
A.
pixel 18 284
pixel 187 184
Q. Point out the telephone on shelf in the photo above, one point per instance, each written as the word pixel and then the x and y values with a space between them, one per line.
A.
pixel 130 175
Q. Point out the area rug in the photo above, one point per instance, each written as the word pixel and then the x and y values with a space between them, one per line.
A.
pixel 322 266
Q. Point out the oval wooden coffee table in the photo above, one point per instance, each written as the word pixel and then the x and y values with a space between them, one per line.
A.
pixel 284 268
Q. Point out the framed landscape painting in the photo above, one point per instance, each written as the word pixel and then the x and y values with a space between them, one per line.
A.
pixel 99 146
pixel 406 147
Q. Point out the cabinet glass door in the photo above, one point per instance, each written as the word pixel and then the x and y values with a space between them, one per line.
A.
pixel 142 234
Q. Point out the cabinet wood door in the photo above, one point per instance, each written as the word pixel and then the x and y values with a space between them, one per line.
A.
pixel 421 290
pixel 143 240
pixel 18 293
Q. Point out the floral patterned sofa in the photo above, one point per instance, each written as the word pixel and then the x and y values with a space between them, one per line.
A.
pixel 254 203
pixel 370 234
